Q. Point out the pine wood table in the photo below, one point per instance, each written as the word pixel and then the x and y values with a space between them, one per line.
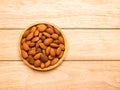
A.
pixel 92 29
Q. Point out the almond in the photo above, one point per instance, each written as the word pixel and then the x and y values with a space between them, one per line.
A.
pixel 56 41
pixel 41 27
pixel 43 38
pixel 54 36
pixel 50 57
pixel 36 33
pixel 61 39
pixel 62 47
pixel 48 41
pixel 43 51
pixel 25 46
pixel 30 57
pixel 24 54
pixel 42 45
pixel 33 29
pixel 35 39
pixel 31 61
pixel 23 40
pixel 58 51
pixel 47 51
pixel 46 34
pixel 28 42
pixel 50 26
pixel 54 61
pixel 30 36
pixel 42 65
pixel 52 52
pixel 56 31
pixel 26 33
pixel 32 44
pixel 40 35
pixel 37 63
pixel 37 56
pixel 50 31
pixel 47 63
pixel 38 43
pixel 54 45
pixel 61 54
pixel 32 52
pixel 38 50
pixel 44 58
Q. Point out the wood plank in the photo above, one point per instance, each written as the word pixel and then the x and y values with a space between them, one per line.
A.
pixel 64 13
pixel 69 76
pixel 82 44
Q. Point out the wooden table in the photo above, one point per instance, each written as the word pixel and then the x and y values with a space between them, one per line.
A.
pixel 92 29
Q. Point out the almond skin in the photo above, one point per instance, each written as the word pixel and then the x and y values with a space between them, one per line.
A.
pixel 35 39
pixel 24 54
pixel 54 61
pixel 25 46
pixel 40 35
pixel 37 56
pixel 58 51
pixel 52 52
pixel 26 33
pixel 56 41
pixel 48 41
pixel 44 58
pixel 38 43
pixel 38 50
pixel 31 61
pixel 46 34
pixel 36 33
pixel 33 29
pixel 30 36
pixel 32 44
pixel 54 36
pixel 47 64
pixel 61 39
pixel 50 57
pixel 54 45
pixel 42 45
pixel 50 31
pixel 61 54
pixel 32 52
pixel 56 31
pixel 23 40
pixel 42 65
pixel 47 51
pixel 37 63
pixel 41 27
pixel 62 47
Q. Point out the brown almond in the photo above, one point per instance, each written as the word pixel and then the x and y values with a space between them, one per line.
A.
pixel 44 58
pixel 56 41
pixel 47 63
pixel 24 54
pixel 29 36
pixel 52 52
pixel 35 39
pixel 38 50
pixel 37 63
pixel 61 39
pixel 32 44
pixel 54 45
pixel 33 29
pixel 40 35
pixel 41 27
pixel 26 33
pixel 50 31
pixel 38 43
pixel 43 38
pixel 54 36
pixel 28 42
pixel 30 57
pixel 43 51
pixel 58 51
pixel 56 31
pixel 50 57
pixel 31 61
pixel 54 61
pixel 42 65
pixel 26 47
pixel 32 52
pixel 62 47
pixel 61 54
pixel 48 41
pixel 50 26
pixel 37 56
pixel 47 51
pixel 42 45
pixel 36 33
pixel 46 34
pixel 23 40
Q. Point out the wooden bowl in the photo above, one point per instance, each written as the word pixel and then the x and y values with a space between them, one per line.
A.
pixel 50 67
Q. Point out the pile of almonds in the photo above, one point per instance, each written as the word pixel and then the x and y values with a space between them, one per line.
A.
pixel 42 45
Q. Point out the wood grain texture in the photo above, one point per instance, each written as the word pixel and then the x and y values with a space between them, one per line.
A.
pixel 82 44
pixel 64 13
pixel 69 76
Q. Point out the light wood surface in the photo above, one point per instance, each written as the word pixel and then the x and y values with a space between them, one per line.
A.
pixel 92 29
pixel 65 13
pixel 69 76
pixel 82 44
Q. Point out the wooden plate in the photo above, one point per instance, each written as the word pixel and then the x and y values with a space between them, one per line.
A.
pixel 50 67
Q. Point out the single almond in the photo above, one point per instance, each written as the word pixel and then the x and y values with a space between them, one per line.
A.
pixel 61 54
pixel 54 36
pixel 36 33
pixel 26 33
pixel 38 50
pixel 56 41
pixel 54 45
pixel 47 51
pixel 47 64
pixel 43 51
pixel 41 27
pixel 50 26
pixel 50 57
pixel 43 38
pixel 23 40
pixel 61 39
pixel 37 56
pixel 42 65
pixel 26 47
pixel 24 54
pixel 40 35
pixel 32 44
pixel 33 29
pixel 56 31
pixel 28 42
pixel 52 52
pixel 58 51
pixel 54 61
pixel 30 57
pixel 62 47
pixel 35 39
pixel 50 31
pixel 32 52
pixel 31 61
pixel 29 36
pixel 37 63
pixel 38 43
pixel 48 41
pixel 44 58
pixel 46 34
pixel 42 45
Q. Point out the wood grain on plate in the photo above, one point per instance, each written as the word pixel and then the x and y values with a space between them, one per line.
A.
pixel 69 76
pixel 82 44
pixel 64 13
